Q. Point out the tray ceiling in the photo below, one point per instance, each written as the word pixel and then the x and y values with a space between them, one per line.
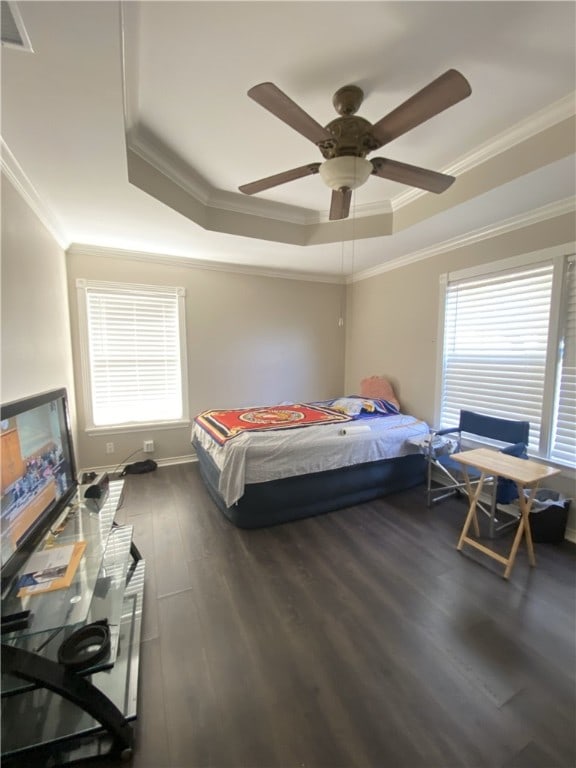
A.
pixel 131 127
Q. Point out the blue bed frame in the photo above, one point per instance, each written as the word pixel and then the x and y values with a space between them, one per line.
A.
pixel 293 498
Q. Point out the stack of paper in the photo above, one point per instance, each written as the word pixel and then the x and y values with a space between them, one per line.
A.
pixel 51 569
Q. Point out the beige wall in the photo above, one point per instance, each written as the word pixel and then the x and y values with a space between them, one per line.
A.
pixel 394 319
pixel 36 346
pixel 251 340
pixel 394 316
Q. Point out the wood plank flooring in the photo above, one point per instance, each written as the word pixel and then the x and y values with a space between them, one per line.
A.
pixel 356 639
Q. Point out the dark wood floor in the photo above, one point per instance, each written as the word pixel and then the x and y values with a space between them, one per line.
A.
pixel 357 639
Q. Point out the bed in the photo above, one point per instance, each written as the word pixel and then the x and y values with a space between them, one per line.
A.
pixel 270 465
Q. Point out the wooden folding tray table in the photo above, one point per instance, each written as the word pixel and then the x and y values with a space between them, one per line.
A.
pixel 525 473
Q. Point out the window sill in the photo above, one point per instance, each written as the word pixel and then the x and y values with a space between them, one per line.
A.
pixel 140 426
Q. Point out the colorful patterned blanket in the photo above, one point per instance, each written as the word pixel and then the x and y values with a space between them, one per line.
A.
pixel 224 425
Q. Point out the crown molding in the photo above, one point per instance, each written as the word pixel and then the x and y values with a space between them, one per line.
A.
pixel 191 184
pixel 24 44
pixel 238 203
pixel 551 115
pixel 553 210
pixel 14 172
pixel 540 121
pixel 550 211
pixel 231 201
pixel 382 207
pixel 211 197
pixel 129 23
pixel 96 251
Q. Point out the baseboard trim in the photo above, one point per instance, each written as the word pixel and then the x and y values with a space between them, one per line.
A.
pixel 172 461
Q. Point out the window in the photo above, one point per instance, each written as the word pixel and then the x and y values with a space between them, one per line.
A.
pixel 133 354
pixel 509 348
pixel 563 448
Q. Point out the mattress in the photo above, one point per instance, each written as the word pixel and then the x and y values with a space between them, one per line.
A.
pixel 258 457
pixel 300 496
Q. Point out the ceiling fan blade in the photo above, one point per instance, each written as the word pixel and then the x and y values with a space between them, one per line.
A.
pixel 340 204
pixel 444 92
pixel 411 175
pixel 274 100
pixel 279 178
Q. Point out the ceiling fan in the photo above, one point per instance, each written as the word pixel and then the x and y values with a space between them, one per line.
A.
pixel 345 142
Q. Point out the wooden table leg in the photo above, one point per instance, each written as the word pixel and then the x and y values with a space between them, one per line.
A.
pixel 471 516
pixel 525 507
pixel 515 545
pixel 523 529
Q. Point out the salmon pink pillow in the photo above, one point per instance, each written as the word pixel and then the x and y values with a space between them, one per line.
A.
pixel 380 388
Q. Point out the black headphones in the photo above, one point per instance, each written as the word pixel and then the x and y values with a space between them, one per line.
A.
pixel 86 646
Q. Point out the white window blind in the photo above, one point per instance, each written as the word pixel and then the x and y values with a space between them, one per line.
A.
pixel 495 346
pixel 564 434
pixel 134 350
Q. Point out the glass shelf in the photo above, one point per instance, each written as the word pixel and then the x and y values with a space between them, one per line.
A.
pixel 108 585
pixel 60 719
pixel 107 603
pixel 69 606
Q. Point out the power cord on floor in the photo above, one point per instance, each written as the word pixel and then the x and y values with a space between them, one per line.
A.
pixel 138 450
pixel 89 477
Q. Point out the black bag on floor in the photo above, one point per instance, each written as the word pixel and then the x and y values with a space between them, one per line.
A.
pixel 139 468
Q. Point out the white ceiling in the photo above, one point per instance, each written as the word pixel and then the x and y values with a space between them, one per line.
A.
pixel 156 92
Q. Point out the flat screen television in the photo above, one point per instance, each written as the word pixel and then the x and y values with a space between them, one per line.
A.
pixel 38 474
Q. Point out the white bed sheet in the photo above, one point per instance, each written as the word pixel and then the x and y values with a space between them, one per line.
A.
pixel 257 457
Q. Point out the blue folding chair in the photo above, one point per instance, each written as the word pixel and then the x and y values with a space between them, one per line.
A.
pixel 511 437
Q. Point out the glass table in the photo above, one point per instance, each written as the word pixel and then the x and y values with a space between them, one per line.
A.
pixel 77 707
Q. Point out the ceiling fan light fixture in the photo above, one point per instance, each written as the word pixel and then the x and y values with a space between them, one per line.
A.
pixel 346 140
pixel 345 171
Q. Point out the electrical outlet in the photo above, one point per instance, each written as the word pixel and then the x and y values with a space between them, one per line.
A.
pixel 109 447
pixel 148 446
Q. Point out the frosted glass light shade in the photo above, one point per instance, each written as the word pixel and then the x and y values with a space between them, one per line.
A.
pixel 346 171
